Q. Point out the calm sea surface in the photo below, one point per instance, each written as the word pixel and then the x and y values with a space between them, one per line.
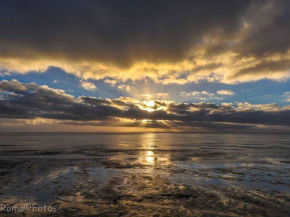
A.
pixel 161 174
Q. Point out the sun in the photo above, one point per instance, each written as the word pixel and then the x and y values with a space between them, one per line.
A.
pixel 151 106
pixel 148 105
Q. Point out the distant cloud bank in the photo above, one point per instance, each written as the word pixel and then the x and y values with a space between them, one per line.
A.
pixel 32 103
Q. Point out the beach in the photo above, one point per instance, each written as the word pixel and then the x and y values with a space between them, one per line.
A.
pixel 145 174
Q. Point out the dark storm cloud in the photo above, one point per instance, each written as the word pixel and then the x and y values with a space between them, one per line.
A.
pixel 220 113
pixel 167 40
pixel 30 101
pixel 270 28
pixel 120 32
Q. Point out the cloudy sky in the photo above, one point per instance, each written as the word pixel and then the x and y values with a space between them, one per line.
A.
pixel 145 65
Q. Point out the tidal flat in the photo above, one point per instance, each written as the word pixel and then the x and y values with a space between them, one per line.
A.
pixel 146 174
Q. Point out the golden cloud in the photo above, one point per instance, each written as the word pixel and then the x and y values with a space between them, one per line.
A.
pixel 243 41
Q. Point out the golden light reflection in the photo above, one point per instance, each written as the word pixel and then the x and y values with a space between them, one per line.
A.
pixel 148 140
pixel 150 153
pixel 149 156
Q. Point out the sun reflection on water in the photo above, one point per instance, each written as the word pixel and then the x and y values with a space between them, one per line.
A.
pixel 148 141
pixel 150 155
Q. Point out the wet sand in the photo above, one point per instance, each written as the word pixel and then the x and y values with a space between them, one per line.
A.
pixel 146 174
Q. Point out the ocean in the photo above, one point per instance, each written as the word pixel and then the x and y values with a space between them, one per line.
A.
pixel 146 174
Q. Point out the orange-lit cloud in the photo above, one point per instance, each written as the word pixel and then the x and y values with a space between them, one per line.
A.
pixel 33 105
pixel 240 41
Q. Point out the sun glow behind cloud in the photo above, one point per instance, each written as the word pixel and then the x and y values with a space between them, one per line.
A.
pixel 151 106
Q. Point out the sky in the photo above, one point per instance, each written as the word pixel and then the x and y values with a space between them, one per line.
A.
pixel 145 66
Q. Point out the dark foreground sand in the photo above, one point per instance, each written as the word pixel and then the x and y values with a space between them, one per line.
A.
pixel 243 179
